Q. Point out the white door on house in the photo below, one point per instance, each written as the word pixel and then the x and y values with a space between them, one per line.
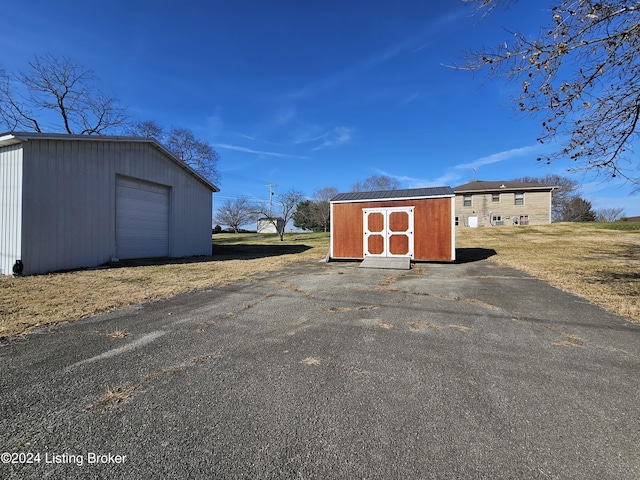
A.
pixel 142 219
pixel 388 232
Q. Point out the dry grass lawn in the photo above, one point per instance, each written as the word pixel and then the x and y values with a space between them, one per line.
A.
pixel 45 300
pixel 591 260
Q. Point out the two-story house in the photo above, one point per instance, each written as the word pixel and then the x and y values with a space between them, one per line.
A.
pixel 502 203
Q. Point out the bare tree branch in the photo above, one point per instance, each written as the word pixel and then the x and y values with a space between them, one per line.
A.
pixel 58 86
pixel 581 76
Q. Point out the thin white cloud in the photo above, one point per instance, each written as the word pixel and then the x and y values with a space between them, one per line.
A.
pixel 334 137
pixel 378 58
pixel 413 182
pixel 238 148
pixel 499 157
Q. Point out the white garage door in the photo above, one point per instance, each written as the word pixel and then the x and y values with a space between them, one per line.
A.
pixel 142 219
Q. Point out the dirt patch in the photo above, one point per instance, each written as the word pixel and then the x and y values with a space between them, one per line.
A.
pixel 569 340
pixel 416 326
pixel 311 361
pixel 118 394
pixel 385 325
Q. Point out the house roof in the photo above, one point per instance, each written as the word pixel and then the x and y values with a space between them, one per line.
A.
pixel 501 186
pixel 394 194
pixel 13 138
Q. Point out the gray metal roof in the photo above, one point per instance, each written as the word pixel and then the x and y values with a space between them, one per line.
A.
pixel 394 194
pixel 12 138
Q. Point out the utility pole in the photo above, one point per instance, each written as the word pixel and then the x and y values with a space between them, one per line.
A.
pixel 271 187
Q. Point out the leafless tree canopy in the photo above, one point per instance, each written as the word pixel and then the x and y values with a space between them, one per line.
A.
pixel 57 86
pixel 375 183
pixel 321 199
pixel 581 75
pixel 181 142
pixel 235 213
pixel 197 154
pixel 609 214
pixel 560 197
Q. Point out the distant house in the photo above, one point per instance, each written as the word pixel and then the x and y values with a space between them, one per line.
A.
pixel 73 201
pixel 266 225
pixel 502 203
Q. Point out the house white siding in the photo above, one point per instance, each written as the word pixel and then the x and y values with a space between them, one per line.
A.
pixel 69 189
pixel 10 207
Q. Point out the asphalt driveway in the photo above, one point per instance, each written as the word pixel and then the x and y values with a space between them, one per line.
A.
pixel 330 371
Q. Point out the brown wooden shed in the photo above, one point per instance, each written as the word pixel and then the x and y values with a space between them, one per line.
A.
pixel 418 223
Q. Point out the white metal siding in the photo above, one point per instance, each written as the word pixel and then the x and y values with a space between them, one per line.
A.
pixel 10 207
pixel 69 201
pixel 142 219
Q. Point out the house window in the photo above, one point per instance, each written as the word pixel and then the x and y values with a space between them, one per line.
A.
pixel 497 220
pixel 467 200
pixel 524 220
pixel 519 198
pixel 457 220
pixel 495 197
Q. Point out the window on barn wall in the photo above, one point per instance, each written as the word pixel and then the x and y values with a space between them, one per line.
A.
pixel 467 200
pixel 519 198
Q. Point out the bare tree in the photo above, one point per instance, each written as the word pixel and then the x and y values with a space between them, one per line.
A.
pixel 609 214
pixel 182 143
pixel 235 213
pixel 57 94
pixel 148 129
pixel 287 204
pixel 197 154
pixel 581 75
pixel 376 182
pixel 561 196
pixel 321 199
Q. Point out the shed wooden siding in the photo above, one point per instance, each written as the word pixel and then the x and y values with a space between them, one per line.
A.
pixel 10 207
pixel 70 195
pixel 433 237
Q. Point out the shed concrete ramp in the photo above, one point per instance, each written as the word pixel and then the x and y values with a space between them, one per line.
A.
pixel 391 263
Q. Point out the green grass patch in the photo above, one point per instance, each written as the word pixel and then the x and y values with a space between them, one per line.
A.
pixel 624 226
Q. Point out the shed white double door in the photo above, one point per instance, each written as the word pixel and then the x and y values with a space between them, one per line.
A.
pixel 388 232
pixel 142 218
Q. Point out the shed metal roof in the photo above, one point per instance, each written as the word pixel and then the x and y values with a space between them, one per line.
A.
pixel 13 138
pixel 433 192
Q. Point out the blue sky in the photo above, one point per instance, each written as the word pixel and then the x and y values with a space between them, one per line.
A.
pixel 309 94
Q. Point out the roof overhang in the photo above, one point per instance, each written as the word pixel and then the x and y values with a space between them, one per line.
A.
pixel 394 195
pixel 7 139
pixel 391 199
pixel 542 188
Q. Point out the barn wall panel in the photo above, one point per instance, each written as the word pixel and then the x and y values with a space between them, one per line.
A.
pixel 69 201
